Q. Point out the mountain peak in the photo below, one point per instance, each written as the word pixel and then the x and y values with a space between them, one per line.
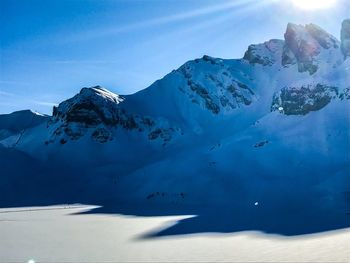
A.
pixel 101 92
pixel 323 38
pixel 304 45
pixel 310 38
pixel 90 106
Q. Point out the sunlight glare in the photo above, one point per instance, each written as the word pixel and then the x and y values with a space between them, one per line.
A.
pixel 314 4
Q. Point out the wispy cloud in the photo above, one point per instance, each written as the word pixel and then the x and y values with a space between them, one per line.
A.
pixel 13 99
pixel 85 61
pixel 12 82
pixel 5 93
pixel 70 62
pixel 45 103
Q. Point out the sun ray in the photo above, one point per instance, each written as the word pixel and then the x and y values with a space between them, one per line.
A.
pixel 188 31
pixel 158 21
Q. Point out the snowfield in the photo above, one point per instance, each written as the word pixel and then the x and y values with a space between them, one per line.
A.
pixel 59 234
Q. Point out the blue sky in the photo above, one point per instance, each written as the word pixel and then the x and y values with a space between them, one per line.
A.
pixel 51 49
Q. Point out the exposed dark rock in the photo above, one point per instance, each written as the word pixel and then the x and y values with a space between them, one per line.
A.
pixel 298 49
pixel 164 134
pixel 91 107
pixel 63 141
pixel 261 144
pixel 345 95
pixel 254 58
pixel 326 40
pixel 54 111
pixel 97 108
pixel 303 44
pixel 288 58
pixel 87 113
pixel 102 135
pixel 148 121
pixel 216 94
pixel 211 60
pixel 225 101
pixel 302 100
pixel 244 86
pixel 203 93
pixel 172 196
pixel 238 96
pixel 74 134
pixel 263 54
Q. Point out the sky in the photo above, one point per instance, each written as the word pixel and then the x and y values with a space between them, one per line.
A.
pixel 49 50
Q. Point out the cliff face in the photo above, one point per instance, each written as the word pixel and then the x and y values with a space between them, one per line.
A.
pixel 309 46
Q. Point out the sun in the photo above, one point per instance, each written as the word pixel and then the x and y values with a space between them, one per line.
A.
pixel 314 4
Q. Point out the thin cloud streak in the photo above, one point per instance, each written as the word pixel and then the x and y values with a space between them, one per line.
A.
pixel 5 93
pixel 12 82
pixel 20 98
pixel 87 62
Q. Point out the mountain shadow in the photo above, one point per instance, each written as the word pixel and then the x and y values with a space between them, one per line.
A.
pixel 277 209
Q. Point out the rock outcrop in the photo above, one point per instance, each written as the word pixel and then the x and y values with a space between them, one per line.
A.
pixel 214 87
pixel 265 54
pixel 97 112
pixel 302 100
pixel 304 46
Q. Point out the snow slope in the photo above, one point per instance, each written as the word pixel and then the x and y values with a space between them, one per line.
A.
pixel 19 121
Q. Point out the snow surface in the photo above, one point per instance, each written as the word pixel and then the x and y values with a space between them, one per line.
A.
pixel 17 122
pixel 59 234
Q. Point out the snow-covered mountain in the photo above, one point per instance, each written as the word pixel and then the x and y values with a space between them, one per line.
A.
pixel 16 122
pixel 272 127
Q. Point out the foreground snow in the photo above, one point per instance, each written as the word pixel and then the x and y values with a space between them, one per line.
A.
pixel 61 234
